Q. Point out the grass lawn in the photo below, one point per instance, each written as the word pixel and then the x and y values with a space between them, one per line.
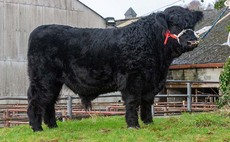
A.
pixel 203 127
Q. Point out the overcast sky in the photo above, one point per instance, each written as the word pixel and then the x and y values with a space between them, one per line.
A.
pixel 117 8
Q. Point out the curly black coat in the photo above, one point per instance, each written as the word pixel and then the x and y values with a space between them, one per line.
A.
pixel 132 59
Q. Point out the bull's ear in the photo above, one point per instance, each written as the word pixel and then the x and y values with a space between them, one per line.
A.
pixel 161 21
pixel 198 16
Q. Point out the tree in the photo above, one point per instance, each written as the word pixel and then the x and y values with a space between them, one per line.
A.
pixel 225 75
pixel 225 85
pixel 219 4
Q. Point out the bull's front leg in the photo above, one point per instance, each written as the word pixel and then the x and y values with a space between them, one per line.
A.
pixel 131 94
pixel 147 100
pixel 146 112
pixel 131 106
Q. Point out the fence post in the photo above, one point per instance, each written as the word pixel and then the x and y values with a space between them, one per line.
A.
pixel 152 109
pixel 189 97
pixel 69 107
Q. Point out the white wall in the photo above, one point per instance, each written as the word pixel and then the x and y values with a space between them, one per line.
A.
pixel 17 19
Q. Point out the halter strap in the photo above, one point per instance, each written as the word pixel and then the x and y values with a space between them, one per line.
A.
pixel 167 35
pixel 177 37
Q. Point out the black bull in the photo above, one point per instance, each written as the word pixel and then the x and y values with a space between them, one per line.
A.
pixel 133 60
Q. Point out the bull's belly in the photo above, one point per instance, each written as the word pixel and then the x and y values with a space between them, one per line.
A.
pixel 88 84
pixel 85 89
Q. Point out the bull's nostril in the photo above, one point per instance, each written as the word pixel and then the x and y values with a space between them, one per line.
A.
pixel 192 43
pixel 189 43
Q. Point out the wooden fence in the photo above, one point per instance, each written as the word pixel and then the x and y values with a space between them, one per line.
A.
pixel 11 115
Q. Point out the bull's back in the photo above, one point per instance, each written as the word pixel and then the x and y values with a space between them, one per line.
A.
pixel 70 40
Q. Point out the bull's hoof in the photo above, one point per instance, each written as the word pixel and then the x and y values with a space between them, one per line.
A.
pixel 133 127
pixel 148 122
pixel 37 129
pixel 53 126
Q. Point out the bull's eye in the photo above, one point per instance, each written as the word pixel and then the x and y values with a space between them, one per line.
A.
pixel 180 29
pixel 176 29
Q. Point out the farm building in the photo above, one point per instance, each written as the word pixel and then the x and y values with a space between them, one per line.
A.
pixel 18 18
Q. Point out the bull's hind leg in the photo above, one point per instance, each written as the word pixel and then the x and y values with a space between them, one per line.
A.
pixel 49 109
pixel 42 98
pixel 49 116
pixel 34 109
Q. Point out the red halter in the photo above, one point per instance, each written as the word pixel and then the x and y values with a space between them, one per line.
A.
pixel 167 35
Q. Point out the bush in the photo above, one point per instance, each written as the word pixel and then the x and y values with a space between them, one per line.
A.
pixel 219 4
pixel 225 85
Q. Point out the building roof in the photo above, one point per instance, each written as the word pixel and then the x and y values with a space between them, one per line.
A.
pixel 125 22
pixel 130 13
pixel 211 48
pixel 90 9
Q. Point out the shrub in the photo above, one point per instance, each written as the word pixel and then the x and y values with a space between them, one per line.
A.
pixel 219 4
pixel 225 85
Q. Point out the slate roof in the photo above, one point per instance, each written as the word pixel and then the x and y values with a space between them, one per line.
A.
pixel 130 12
pixel 210 49
pixel 125 22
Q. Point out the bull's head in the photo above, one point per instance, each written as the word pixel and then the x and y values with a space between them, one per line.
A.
pixel 178 24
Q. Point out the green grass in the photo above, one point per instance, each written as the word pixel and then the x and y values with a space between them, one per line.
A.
pixel 204 127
